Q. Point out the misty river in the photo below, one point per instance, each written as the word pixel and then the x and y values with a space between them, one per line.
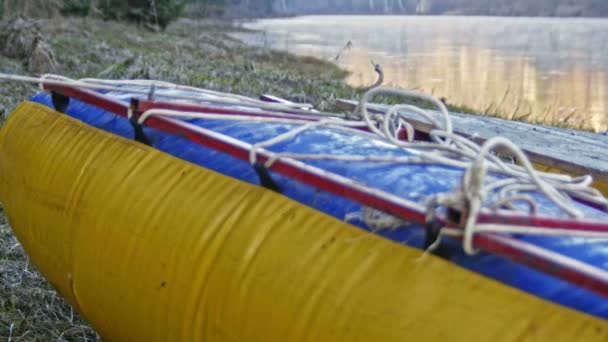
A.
pixel 544 69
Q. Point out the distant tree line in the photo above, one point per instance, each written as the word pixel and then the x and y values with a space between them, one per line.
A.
pixel 161 12
pixel 228 8
pixel 523 7
pixel 156 12
pixel 468 7
pixel 465 7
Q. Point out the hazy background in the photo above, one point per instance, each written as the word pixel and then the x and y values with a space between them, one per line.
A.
pixel 477 7
pixel 524 66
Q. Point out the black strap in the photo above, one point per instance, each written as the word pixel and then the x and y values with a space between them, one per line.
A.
pixel 60 102
pixel 140 135
pixel 432 230
pixel 265 178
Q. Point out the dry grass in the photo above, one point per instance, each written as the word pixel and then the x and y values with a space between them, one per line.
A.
pixel 30 310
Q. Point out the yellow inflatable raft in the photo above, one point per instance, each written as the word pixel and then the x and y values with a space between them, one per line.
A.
pixel 152 248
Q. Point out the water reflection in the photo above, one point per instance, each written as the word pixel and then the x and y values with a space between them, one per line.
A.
pixel 550 70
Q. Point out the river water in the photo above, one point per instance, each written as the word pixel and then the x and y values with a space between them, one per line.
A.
pixel 552 70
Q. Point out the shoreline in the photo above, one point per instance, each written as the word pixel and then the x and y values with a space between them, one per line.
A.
pixel 541 111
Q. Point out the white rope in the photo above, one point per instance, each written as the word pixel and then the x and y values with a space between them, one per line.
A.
pixel 452 232
pixel 461 153
pixel 282 137
pixel 510 184
pixel 168 85
pixel 216 96
pixel 403 93
pixel 473 190
pixel 115 86
pixel 509 203
pixel 468 150
pixel 349 158
pixel 477 161
pixel 393 112
pixel 539 231
pixel 196 115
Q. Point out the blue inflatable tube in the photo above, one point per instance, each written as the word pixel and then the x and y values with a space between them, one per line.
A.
pixel 410 181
